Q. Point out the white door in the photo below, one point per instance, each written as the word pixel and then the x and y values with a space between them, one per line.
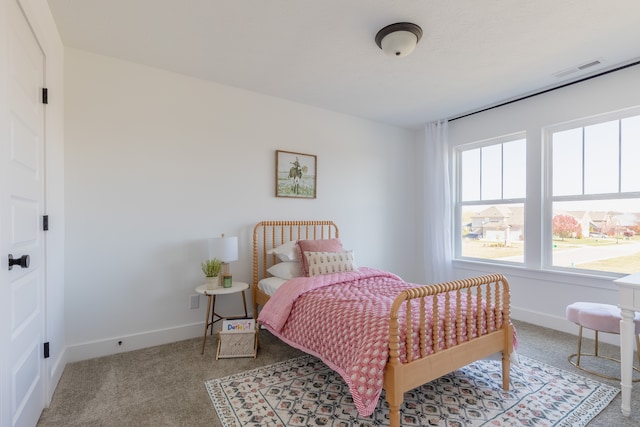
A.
pixel 22 200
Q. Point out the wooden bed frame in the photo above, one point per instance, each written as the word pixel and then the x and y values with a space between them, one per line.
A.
pixel 398 376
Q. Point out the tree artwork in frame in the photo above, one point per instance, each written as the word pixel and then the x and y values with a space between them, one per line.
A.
pixel 295 175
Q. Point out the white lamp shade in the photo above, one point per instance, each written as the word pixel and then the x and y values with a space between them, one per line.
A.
pixel 399 43
pixel 223 248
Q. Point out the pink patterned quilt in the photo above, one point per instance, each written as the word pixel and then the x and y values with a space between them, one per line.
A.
pixel 343 319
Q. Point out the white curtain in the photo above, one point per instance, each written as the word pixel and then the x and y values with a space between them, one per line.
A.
pixel 438 231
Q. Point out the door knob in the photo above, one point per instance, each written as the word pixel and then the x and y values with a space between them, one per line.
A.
pixel 23 261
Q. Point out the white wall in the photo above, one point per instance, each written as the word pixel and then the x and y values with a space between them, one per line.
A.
pixel 541 297
pixel 156 162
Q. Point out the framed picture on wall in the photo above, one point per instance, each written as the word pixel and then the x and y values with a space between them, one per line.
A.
pixel 295 175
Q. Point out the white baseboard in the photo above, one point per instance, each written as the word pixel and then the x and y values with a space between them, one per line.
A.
pixel 106 347
pixel 90 350
pixel 559 324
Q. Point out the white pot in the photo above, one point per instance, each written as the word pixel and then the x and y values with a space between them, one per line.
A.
pixel 212 282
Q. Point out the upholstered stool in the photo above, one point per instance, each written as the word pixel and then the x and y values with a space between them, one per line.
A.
pixel 599 318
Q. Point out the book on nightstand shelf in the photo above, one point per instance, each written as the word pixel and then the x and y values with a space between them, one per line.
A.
pixel 238 325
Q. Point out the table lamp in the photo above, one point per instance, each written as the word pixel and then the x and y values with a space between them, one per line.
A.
pixel 226 250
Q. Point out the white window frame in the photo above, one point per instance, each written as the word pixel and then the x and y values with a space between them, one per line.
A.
pixel 459 203
pixel 548 198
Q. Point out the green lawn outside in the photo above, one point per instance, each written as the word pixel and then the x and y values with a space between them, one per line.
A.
pixel 490 250
pixel 589 241
pixel 624 264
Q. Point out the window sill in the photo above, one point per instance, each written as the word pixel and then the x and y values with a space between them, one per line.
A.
pixel 559 276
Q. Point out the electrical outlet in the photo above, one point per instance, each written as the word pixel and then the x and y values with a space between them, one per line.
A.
pixel 194 301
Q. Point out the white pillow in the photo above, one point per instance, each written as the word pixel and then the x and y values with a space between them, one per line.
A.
pixel 285 252
pixel 286 270
pixel 329 262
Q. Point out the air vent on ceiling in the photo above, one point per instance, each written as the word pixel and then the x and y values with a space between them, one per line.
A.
pixel 578 68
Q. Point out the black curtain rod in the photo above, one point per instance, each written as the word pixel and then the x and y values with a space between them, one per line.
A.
pixel 547 90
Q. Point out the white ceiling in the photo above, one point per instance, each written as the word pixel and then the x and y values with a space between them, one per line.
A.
pixel 474 53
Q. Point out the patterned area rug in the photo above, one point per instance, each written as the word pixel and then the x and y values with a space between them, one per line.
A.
pixel 305 392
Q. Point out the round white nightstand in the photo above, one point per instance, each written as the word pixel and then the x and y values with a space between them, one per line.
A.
pixel 211 314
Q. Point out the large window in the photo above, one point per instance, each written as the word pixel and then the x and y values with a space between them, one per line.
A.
pixel 492 190
pixel 595 195
pixel 583 204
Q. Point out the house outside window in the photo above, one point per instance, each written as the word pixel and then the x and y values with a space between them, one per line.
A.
pixel 491 195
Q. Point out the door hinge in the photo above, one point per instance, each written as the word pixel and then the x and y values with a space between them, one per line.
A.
pixel 45 222
pixel 45 95
pixel 46 350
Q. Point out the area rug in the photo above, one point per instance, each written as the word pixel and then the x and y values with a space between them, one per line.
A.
pixel 305 392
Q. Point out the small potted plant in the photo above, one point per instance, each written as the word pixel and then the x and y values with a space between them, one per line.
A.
pixel 211 269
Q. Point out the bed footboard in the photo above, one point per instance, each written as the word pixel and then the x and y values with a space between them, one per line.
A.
pixel 489 317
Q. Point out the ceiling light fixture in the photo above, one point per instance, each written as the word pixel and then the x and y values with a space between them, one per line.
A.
pixel 399 39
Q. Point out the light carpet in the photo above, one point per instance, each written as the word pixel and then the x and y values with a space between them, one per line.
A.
pixel 305 392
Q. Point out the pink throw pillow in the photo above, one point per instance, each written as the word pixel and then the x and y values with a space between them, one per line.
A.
pixel 323 245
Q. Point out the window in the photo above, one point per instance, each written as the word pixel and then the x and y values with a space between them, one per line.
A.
pixel 595 195
pixel 491 195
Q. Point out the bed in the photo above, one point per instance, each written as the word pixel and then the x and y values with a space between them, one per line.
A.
pixel 376 330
